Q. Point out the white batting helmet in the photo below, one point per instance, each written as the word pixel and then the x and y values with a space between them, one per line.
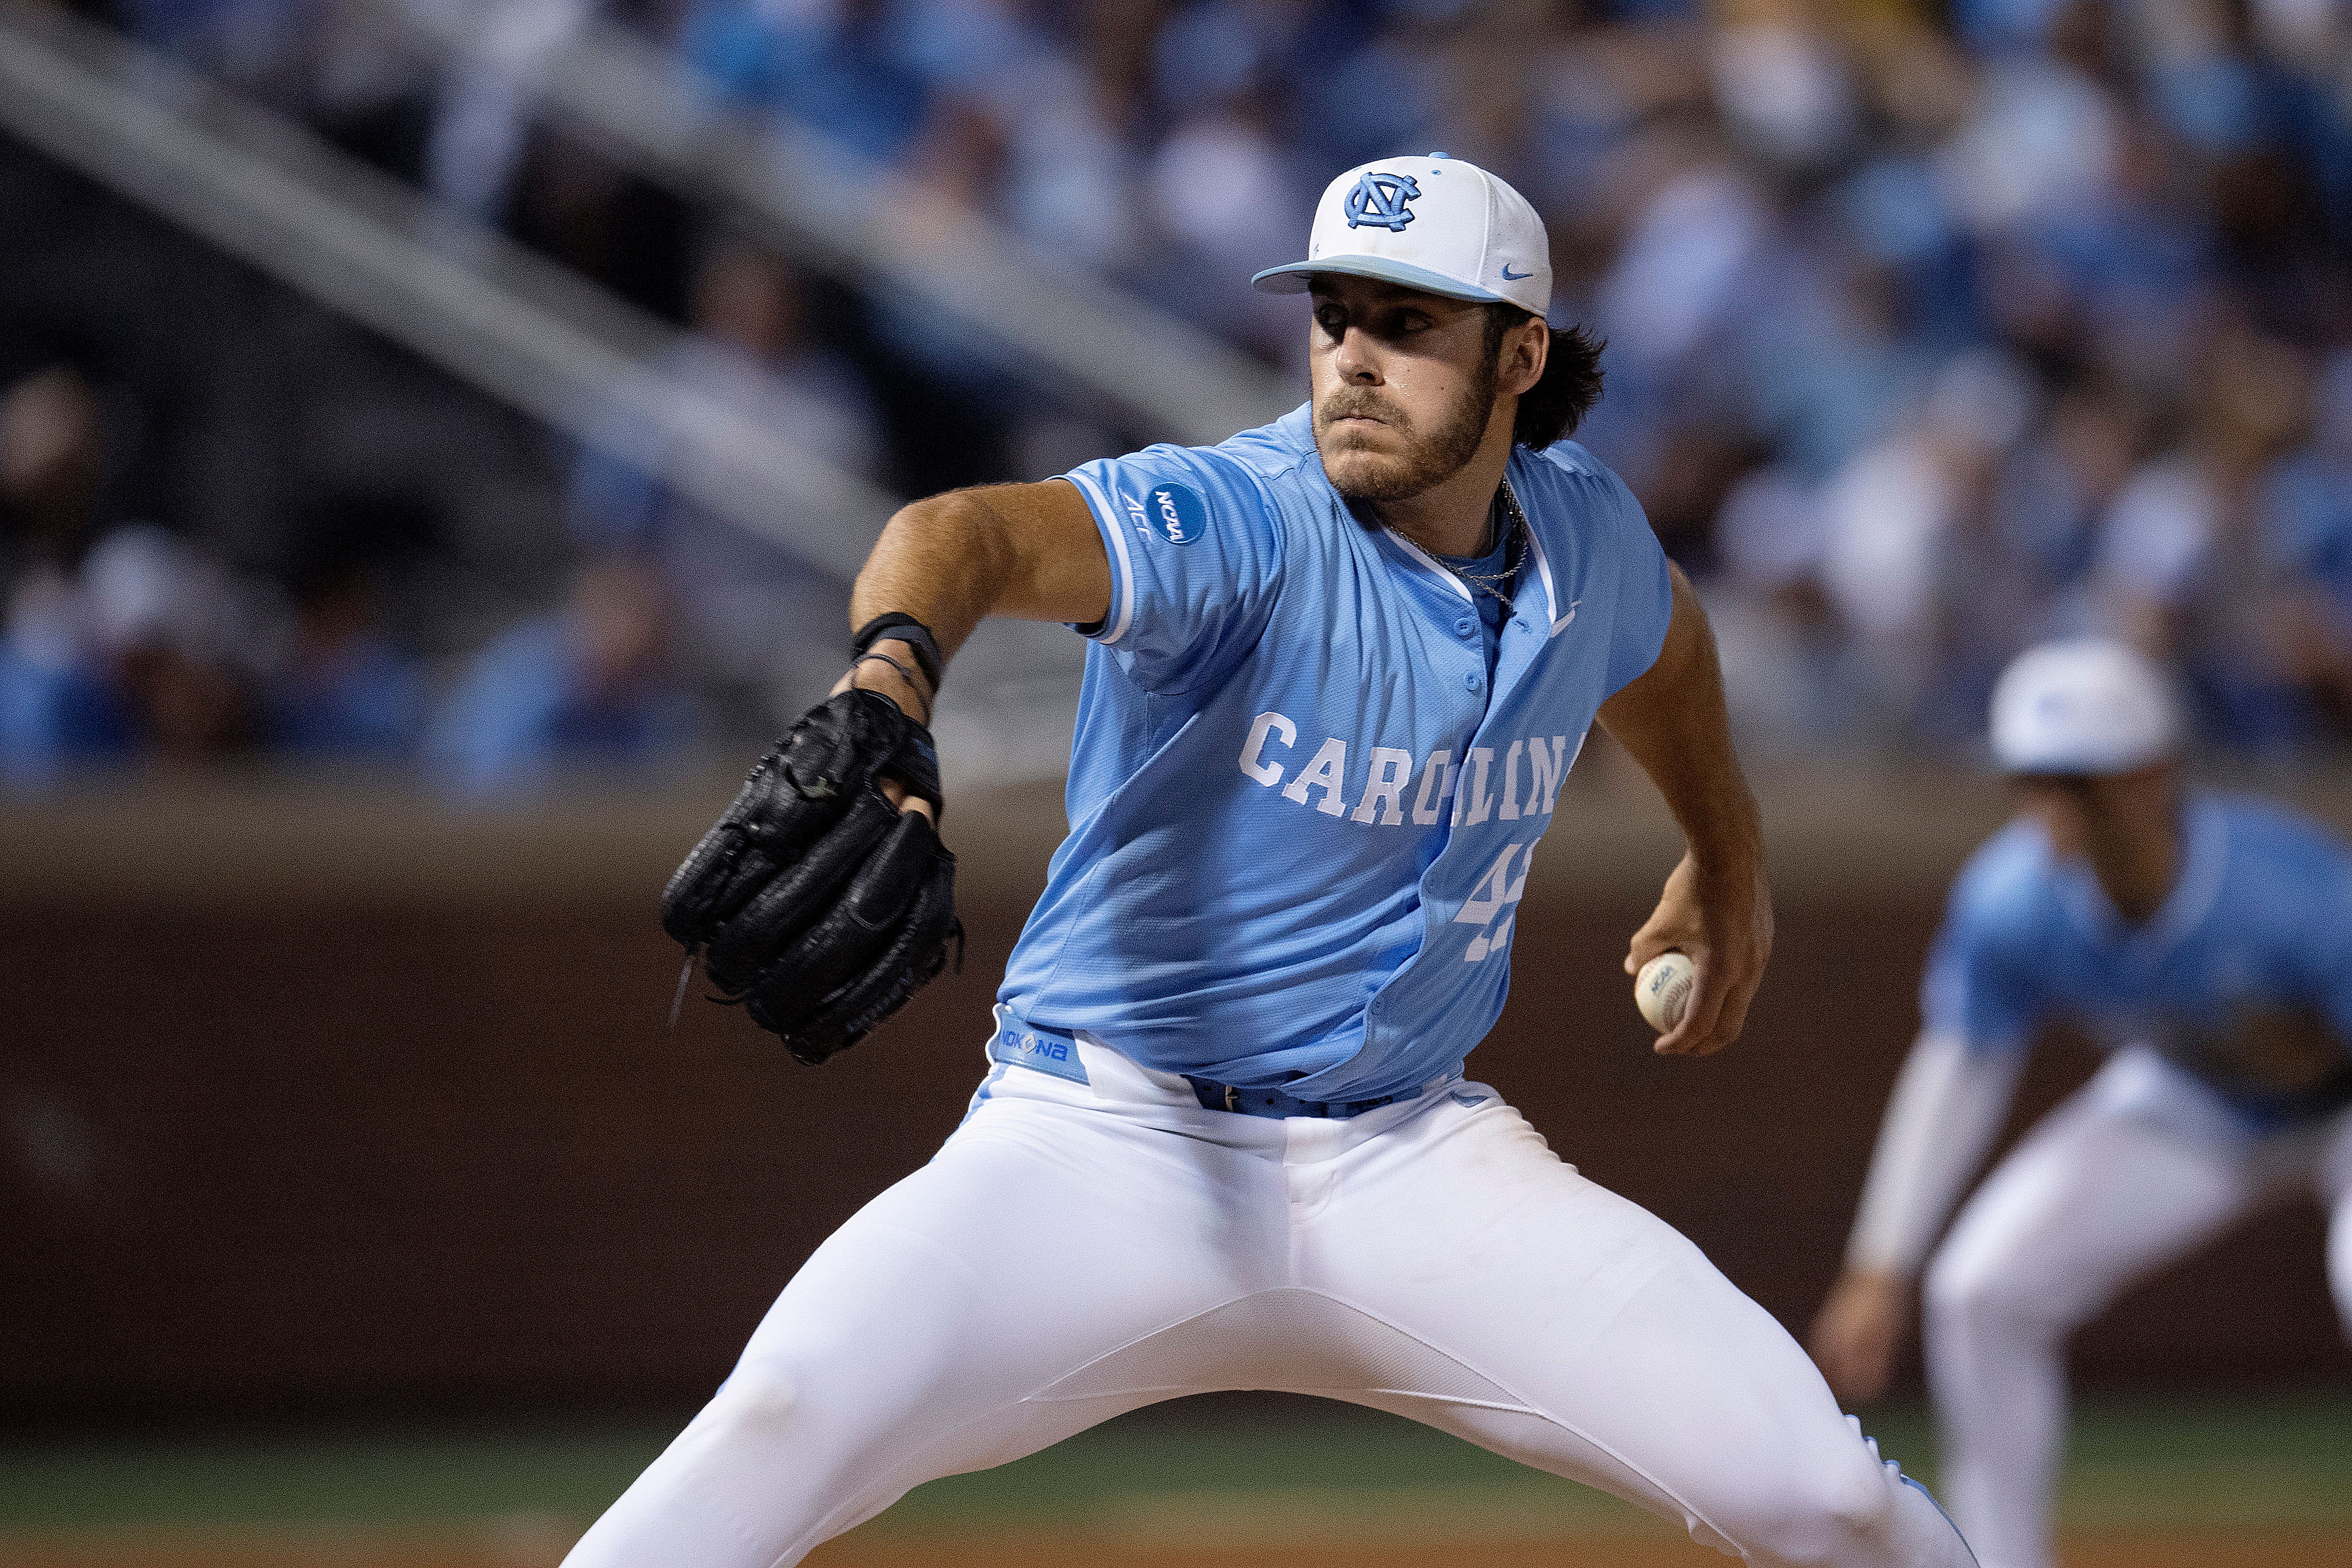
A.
pixel 2089 706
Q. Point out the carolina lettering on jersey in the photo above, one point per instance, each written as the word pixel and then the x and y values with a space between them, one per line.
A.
pixel 1302 810
pixel 1386 778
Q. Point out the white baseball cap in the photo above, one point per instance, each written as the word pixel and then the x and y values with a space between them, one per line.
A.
pixel 2089 706
pixel 1435 224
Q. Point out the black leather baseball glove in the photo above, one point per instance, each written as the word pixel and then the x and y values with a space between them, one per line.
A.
pixel 814 901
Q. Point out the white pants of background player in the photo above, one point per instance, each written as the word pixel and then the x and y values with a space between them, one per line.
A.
pixel 2141 1166
pixel 1077 1250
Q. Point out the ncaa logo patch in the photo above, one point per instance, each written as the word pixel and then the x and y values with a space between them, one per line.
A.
pixel 1379 202
pixel 1172 512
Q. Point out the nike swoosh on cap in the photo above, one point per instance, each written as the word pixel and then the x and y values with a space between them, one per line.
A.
pixel 1511 276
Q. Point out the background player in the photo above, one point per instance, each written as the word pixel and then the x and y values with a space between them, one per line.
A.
pixel 2210 940
pixel 1339 668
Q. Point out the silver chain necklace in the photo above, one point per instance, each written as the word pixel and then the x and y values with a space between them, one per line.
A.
pixel 1515 530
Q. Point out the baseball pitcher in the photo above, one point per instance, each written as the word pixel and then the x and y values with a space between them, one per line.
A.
pixel 1339 668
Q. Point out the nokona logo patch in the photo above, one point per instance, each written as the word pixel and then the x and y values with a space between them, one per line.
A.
pixel 1046 1053
pixel 1379 202
pixel 1172 512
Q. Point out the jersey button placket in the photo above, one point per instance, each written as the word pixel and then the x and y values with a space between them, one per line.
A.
pixel 1466 628
pixel 1472 680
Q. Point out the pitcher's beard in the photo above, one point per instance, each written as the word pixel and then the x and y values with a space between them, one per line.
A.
pixel 1430 461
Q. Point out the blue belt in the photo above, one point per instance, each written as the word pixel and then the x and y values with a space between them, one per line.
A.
pixel 1017 1044
pixel 1243 1101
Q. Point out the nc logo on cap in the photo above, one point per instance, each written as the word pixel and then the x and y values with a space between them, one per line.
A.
pixel 1379 202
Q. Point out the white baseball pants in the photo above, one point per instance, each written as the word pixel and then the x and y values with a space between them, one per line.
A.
pixel 1077 1250
pixel 2142 1165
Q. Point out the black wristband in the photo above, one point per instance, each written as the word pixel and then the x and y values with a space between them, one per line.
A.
pixel 905 628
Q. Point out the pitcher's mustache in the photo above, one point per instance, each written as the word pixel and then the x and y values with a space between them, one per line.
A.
pixel 1348 404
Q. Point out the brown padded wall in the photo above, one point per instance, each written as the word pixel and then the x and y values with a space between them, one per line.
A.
pixel 415 1139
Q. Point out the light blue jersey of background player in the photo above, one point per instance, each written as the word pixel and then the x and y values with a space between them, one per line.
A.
pixel 2260 922
pixel 2207 941
pixel 1305 794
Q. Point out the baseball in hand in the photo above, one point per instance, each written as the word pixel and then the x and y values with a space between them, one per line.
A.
pixel 1663 989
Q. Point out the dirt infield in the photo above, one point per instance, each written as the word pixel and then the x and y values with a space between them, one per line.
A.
pixel 2266 1549
pixel 526 1543
pixel 2105 1549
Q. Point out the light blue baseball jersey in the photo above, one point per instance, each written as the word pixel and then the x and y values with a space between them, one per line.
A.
pixel 1302 809
pixel 2259 921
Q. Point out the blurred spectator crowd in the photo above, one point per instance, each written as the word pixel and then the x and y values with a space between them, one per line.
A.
pixel 1931 334
pixel 135 643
